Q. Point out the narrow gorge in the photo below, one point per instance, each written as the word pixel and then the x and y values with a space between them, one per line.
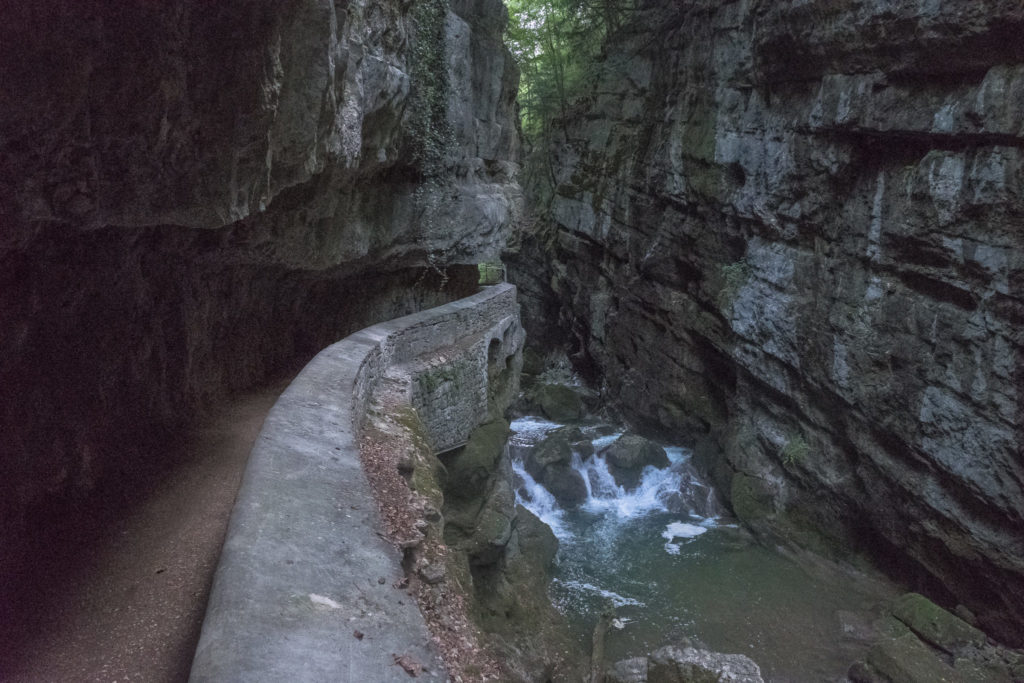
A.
pixel 791 235
pixel 772 252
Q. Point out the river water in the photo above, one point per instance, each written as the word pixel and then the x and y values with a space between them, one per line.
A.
pixel 675 566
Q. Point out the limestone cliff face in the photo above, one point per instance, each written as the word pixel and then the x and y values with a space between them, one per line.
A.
pixel 195 194
pixel 792 231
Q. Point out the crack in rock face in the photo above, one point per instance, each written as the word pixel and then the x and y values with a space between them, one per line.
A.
pixel 815 272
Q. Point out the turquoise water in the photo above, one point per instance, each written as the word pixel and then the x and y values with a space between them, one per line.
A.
pixel 674 566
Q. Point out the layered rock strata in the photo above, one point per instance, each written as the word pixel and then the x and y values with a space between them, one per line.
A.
pixel 195 197
pixel 791 232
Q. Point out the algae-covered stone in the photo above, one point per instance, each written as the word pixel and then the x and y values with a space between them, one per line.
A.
pixel 559 402
pixel 473 465
pixel 908 660
pixel 934 624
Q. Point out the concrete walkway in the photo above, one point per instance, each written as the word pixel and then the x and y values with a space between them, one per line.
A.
pixel 119 593
pixel 307 588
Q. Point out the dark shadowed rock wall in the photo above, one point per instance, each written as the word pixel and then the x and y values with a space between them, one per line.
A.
pixel 793 232
pixel 195 196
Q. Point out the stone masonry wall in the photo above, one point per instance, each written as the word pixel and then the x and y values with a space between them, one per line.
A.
pixel 303 551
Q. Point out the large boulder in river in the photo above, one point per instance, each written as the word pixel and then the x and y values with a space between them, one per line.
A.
pixel 674 664
pixel 559 402
pixel 565 484
pixel 677 664
pixel 628 455
pixel 556 447
pixel 550 463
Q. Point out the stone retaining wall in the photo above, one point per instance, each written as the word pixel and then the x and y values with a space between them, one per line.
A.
pixel 305 589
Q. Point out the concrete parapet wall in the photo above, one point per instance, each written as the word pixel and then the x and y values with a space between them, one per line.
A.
pixel 303 567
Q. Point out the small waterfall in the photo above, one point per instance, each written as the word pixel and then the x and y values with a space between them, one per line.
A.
pixel 676 489
pixel 535 498
pixel 653 494
pixel 671 564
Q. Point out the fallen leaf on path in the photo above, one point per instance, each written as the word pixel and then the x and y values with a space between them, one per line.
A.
pixel 411 666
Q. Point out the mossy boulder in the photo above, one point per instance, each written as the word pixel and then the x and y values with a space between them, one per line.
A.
pixel 555 449
pixel 905 659
pixel 628 455
pixel 565 484
pixel 471 467
pixel 559 402
pixel 515 611
pixel 536 538
pixel 935 625
pixel 921 642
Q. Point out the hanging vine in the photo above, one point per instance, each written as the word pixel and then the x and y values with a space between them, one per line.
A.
pixel 433 142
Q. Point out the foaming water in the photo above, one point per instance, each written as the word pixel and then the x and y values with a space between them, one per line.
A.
pixel 680 531
pixel 527 431
pixel 540 502
pixel 654 493
pixel 612 597
pixel 672 564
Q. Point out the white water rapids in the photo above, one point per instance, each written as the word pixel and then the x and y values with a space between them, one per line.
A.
pixel 670 562
pixel 674 489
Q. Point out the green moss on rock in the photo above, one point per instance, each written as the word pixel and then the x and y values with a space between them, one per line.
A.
pixel 908 660
pixel 473 465
pixel 750 499
pixel 935 625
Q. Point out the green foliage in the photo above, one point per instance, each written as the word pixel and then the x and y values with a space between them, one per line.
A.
pixel 432 379
pixel 431 136
pixel 491 273
pixel 795 450
pixel 557 45
pixel 433 142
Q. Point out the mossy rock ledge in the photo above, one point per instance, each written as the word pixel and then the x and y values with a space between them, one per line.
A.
pixel 923 643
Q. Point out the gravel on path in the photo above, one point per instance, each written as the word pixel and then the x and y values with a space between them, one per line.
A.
pixel 118 593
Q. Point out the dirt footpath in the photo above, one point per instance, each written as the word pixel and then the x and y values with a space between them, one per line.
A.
pixel 120 595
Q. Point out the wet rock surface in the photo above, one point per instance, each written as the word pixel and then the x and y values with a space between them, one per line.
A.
pixel 505 556
pixel 628 455
pixel 195 198
pixel 920 641
pixel 551 464
pixel 788 232
pixel 679 664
